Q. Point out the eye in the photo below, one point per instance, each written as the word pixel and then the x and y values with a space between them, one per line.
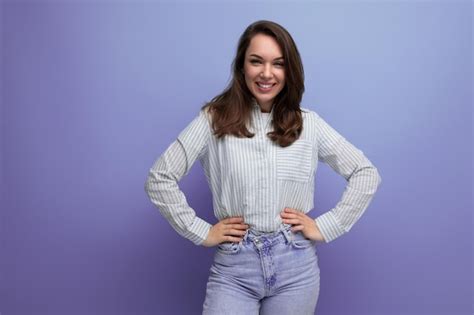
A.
pixel 280 64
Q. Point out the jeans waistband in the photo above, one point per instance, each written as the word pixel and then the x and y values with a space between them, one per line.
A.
pixel 284 230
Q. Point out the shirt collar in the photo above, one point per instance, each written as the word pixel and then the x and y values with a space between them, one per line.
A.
pixel 257 107
pixel 254 103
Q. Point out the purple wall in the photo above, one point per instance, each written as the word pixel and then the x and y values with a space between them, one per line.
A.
pixel 92 93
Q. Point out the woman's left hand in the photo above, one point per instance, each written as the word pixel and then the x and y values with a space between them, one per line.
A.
pixel 301 222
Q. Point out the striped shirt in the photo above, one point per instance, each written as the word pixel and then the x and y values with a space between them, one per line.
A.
pixel 257 179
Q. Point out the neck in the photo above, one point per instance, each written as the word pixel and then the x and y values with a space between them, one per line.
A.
pixel 267 108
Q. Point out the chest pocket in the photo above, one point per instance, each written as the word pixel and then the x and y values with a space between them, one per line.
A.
pixel 294 161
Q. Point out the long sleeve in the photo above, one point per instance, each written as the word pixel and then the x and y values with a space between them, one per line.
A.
pixel 361 175
pixel 163 177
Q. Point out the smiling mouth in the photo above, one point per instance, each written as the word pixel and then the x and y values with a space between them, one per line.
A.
pixel 265 88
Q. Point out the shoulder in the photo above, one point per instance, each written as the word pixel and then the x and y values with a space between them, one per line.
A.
pixel 201 118
pixel 198 125
pixel 205 113
pixel 310 115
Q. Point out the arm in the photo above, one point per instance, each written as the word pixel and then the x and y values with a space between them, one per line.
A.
pixel 362 179
pixel 162 187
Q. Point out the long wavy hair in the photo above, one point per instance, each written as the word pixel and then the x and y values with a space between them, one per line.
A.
pixel 231 110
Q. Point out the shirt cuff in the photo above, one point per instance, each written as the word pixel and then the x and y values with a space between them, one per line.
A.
pixel 199 231
pixel 329 226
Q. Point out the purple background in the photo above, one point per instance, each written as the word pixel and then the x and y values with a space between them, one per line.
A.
pixel 93 93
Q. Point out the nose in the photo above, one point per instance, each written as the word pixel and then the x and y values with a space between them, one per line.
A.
pixel 267 72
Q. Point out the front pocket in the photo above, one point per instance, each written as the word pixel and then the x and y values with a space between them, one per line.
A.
pixel 300 241
pixel 294 161
pixel 230 248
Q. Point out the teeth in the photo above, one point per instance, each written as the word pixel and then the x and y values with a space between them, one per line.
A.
pixel 265 86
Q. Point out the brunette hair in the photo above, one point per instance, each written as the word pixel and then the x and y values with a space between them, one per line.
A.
pixel 231 110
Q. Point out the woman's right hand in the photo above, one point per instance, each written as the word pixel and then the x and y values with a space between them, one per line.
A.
pixel 226 230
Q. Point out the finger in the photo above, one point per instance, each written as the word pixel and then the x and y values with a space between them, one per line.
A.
pixel 290 217
pixel 239 232
pixel 236 219
pixel 293 211
pixel 298 214
pixel 234 231
pixel 299 227
pixel 236 226
pixel 292 221
pixel 290 211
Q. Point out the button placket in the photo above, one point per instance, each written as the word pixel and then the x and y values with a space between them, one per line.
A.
pixel 263 131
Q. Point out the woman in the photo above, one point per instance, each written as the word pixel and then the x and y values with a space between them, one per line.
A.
pixel 259 150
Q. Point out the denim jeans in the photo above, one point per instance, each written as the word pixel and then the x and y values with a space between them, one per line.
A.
pixel 274 273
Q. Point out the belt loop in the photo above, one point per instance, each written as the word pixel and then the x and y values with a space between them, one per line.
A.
pixel 285 229
pixel 246 235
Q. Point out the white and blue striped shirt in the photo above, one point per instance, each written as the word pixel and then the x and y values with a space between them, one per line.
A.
pixel 257 179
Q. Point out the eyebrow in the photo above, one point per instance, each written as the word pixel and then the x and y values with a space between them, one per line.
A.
pixel 262 58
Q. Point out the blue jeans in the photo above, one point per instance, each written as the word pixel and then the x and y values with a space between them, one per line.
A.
pixel 274 273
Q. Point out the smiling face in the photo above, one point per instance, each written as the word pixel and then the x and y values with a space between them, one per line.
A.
pixel 264 70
